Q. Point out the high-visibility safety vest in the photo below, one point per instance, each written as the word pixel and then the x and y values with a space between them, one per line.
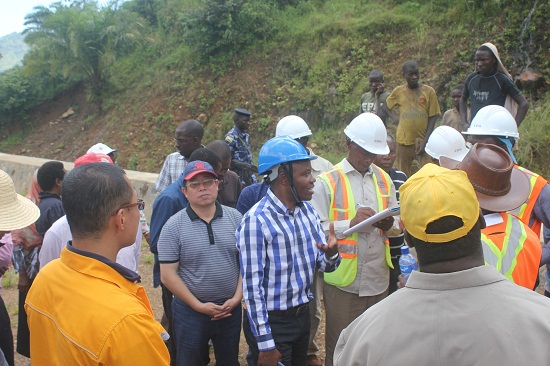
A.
pixel 513 249
pixel 524 211
pixel 342 207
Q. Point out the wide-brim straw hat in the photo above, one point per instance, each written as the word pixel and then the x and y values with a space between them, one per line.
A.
pixel 16 211
pixel 499 186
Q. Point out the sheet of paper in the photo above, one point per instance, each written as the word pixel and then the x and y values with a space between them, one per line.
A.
pixel 366 226
pixel 492 219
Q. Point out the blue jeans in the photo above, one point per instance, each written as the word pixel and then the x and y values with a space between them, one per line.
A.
pixel 193 330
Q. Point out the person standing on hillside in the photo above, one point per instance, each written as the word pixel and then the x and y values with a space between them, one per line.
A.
pixel 418 110
pixel 452 117
pixel 396 241
pixel 188 139
pixel 375 100
pixel 344 197
pixel 238 140
pixel 16 213
pixel 491 84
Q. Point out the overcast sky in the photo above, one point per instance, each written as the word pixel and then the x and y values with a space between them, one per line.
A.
pixel 12 13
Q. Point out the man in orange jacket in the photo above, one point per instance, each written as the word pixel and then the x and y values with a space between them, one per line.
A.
pixel 84 308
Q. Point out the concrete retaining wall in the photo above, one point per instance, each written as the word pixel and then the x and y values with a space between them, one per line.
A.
pixel 21 169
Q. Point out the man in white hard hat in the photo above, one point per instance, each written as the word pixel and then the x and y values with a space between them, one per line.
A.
pixel 446 141
pixel 297 128
pixel 354 191
pixel 495 125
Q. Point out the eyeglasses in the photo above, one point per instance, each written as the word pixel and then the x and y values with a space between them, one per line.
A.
pixel 303 139
pixel 183 141
pixel 140 205
pixel 207 183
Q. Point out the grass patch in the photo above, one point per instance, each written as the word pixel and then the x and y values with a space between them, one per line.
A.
pixel 13 139
pixel 534 143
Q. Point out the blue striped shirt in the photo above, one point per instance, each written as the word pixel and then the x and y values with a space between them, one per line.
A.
pixel 278 258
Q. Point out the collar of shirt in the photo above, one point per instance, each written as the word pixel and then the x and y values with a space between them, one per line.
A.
pixel 279 205
pixel 193 215
pixel 477 276
pixel 347 168
pixel 239 132
pixel 43 195
pixel 123 271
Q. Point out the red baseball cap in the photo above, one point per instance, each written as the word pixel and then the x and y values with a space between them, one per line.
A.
pixel 92 158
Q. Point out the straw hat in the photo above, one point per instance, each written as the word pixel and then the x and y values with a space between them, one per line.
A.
pixel 16 211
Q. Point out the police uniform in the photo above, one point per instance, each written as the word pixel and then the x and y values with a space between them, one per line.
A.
pixel 239 144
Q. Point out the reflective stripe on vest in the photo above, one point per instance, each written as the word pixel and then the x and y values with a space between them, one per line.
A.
pixel 524 211
pixel 515 252
pixel 342 207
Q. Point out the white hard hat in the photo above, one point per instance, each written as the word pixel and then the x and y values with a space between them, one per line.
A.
pixel 292 126
pixel 101 148
pixel 448 142
pixel 493 120
pixel 368 131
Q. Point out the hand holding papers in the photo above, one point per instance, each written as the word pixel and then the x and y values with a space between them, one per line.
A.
pixel 366 225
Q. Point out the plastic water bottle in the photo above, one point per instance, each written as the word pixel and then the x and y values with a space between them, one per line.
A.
pixel 407 263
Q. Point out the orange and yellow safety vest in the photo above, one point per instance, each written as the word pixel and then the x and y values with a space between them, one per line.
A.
pixel 342 207
pixel 513 249
pixel 524 211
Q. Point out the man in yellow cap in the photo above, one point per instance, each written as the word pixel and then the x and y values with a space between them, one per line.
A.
pixel 454 308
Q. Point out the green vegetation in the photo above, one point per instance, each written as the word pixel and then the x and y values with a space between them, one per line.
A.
pixel 152 63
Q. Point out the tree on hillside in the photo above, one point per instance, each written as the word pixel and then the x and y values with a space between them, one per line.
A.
pixel 81 41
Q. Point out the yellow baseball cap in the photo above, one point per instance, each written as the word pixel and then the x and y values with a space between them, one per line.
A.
pixel 435 192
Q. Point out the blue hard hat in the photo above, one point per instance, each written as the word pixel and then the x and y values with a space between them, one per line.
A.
pixel 279 150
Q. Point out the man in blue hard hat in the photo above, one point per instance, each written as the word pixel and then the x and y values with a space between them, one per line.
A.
pixel 281 242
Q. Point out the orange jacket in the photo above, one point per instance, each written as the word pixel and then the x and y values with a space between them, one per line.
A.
pixel 83 312
pixel 513 249
pixel 524 211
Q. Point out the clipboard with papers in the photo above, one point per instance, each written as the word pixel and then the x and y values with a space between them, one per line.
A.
pixel 367 225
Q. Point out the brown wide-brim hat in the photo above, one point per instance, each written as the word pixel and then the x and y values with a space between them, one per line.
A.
pixel 499 186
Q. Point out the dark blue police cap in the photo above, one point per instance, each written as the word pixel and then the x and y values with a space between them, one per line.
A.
pixel 244 112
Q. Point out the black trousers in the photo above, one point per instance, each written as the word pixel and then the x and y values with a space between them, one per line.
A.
pixel 291 335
